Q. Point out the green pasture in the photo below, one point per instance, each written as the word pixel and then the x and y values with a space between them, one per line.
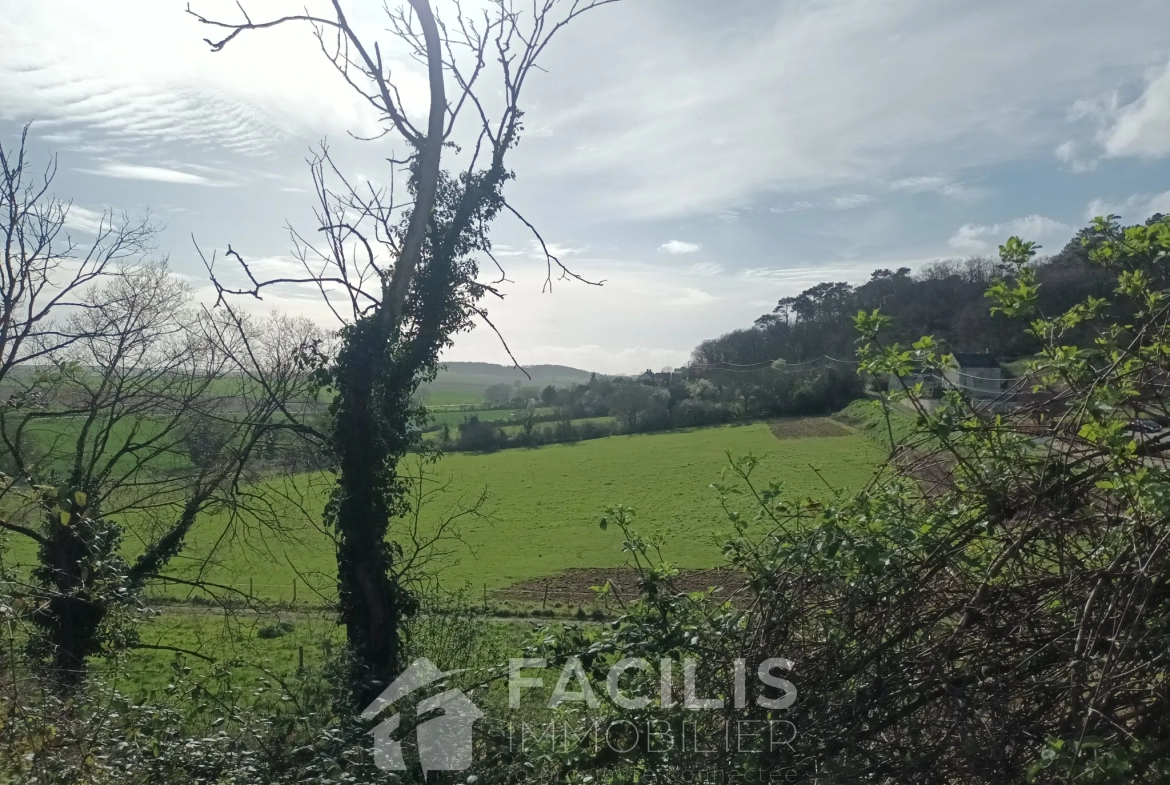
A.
pixel 53 440
pixel 452 396
pixel 542 509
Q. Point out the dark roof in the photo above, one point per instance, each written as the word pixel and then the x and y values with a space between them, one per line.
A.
pixel 976 361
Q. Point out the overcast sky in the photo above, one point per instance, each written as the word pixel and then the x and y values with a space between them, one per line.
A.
pixel 705 157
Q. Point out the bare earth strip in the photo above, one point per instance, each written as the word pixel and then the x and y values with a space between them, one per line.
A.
pixel 807 428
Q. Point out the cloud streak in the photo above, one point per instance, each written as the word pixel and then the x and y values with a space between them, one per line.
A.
pixel 158 174
pixel 82 219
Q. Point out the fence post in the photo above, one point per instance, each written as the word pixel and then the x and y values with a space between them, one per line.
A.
pixel 485 607
pixel 251 589
pixel 300 658
pixel 294 590
pixel 544 602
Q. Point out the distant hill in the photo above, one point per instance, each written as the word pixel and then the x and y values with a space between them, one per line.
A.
pixel 509 372
pixel 464 382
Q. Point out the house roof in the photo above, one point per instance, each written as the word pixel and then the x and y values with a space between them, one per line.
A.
pixel 976 361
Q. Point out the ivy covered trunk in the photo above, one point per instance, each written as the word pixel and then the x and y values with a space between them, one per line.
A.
pixel 76 583
pixel 370 438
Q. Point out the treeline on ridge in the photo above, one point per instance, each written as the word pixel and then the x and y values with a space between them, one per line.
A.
pixel 945 299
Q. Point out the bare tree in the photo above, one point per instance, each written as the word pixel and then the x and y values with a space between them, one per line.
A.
pixel 405 261
pixel 43 274
pixel 44 268
pixel 109 442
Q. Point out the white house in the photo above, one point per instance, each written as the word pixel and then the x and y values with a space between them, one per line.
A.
pixel 977 375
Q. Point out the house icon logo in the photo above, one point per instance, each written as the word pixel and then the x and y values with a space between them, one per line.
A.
pixel 444 741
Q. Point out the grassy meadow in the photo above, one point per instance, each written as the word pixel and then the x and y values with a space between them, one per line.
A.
pixel 544 506
pixel 542 509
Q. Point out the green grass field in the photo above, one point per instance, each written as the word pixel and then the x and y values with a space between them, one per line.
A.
pixel 453 395
pixel 57 438
pixel 544 506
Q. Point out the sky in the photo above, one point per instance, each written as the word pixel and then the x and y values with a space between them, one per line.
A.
pixel 703 158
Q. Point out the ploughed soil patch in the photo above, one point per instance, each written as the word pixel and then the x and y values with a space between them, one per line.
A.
pixel 574 586
pixel 807 428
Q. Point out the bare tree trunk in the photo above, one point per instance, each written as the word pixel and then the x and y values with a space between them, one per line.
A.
pixel 430 150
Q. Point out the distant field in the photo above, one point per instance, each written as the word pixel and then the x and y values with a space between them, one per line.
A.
pixel 545 504
pixel 57 437
pixel 465 382
pixel 453 418
pixel 460 394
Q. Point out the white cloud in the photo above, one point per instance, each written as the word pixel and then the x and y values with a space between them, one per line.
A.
pixel 554 249
pixel 981 238
pixel 1142 128
pixel 850 201
pixel 679 247
pixel 1070 154
pixel 1135 209
pixel 82 219
pixel 1100 207
pixel 159 174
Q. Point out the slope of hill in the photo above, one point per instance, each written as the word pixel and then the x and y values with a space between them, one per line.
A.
pixel 465 382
